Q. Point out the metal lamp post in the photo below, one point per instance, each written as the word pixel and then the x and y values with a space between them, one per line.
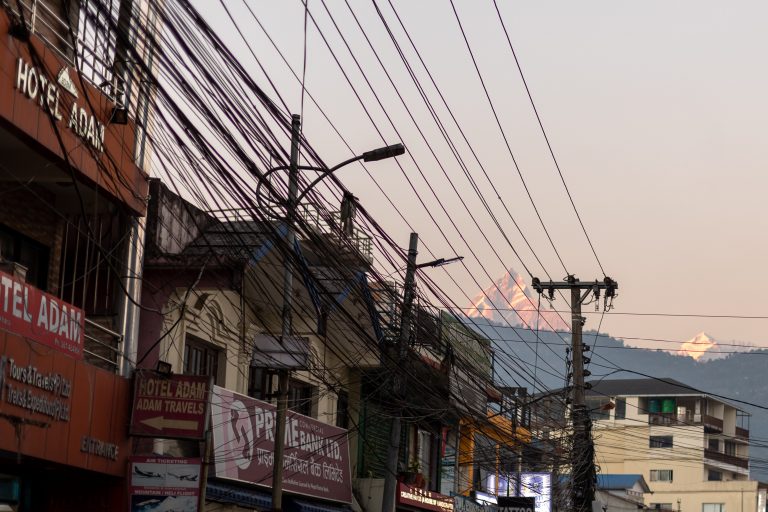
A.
pixel 294 198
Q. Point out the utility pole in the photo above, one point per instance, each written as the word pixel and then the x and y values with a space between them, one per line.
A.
pixel 583 450
pixel 397 360
pixel 287 316
pixel 393 452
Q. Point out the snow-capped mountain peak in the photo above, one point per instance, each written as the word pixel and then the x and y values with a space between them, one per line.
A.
pixel 511 301
pixel 698 346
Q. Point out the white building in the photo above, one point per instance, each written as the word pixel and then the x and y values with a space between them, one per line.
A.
pixel 692 448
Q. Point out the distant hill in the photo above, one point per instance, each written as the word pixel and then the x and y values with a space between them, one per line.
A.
pixel 738 376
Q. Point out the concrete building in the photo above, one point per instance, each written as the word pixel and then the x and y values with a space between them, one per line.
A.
pixel 618 493
pixel 692 448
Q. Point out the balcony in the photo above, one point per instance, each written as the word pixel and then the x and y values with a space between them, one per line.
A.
pixel 742 433
pixel 102 346
pixel 670 418
pixel 713 425
pixel 733 460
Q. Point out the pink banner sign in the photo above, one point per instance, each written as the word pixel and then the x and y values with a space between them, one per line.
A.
pixel 39 316
pixel 316 458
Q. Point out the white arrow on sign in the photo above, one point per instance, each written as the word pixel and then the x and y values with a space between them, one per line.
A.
pixel 161 423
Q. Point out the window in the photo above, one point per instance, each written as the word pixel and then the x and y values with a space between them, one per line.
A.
pixel 201 358
pixel 25 251
pixel 342 409
pixel 661 475
pixel 661 506
pixel 660 442
pixel 301 397
pixel 260 383
pixel 714 476
pixel 598 407
pixel 714 444
pixel 621 409
pixel 713 507
pixel 730 448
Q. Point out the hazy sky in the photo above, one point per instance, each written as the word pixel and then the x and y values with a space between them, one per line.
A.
pixel 656 111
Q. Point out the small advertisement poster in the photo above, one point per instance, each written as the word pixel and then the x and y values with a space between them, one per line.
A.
pixel 538 486
pixel 163 484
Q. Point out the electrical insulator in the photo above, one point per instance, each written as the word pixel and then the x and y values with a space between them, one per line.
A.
pixel 584 348
pixel 586 360
pixel 587 373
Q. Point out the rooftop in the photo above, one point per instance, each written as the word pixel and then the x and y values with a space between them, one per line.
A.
pixel 642 387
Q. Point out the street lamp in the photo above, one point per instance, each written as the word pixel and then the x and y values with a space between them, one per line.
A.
pixel 409 290
pixel 294 198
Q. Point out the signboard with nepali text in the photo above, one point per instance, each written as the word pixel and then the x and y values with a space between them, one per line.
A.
pixel 316 458
pixel 39 316
pixel 175 406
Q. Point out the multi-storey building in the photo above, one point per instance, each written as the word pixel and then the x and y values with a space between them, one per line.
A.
pixel 692 448
pixel 72 193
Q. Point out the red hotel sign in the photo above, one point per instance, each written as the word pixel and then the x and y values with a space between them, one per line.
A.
pixel 316 459
pixel 174 407
pixel 29 312
pixel 58 409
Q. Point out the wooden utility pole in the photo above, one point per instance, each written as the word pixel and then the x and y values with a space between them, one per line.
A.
pixel 583 450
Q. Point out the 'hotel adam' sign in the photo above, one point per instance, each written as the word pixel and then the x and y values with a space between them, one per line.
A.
pixel 38 87
pixel 44 318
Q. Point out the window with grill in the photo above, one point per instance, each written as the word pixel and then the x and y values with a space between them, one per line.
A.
pixel 713 507
pixel 714 476
pixel 621 409
pixel 661 475
pixel 260 383
pixel 23 250
pixel 598 407
pixel 342 409
pixel 301 397
pixel 660 442
pixel 201 358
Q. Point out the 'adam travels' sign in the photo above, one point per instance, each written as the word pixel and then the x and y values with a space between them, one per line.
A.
pixel 34 314
pixel 175 406
pixel 316 459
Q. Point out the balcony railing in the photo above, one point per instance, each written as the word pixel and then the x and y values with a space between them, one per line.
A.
pixel 670 418
pixel 102 346
pixel 92 52
pixel 712 424
pixel 734 460
pixel 742 433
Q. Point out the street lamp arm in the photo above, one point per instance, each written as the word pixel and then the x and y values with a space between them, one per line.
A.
pixel 439 262
pixel 324 173
pixel 369 156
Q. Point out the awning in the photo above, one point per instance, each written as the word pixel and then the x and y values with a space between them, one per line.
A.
pixel 226 493
pixel 250 498
pixel 315 506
